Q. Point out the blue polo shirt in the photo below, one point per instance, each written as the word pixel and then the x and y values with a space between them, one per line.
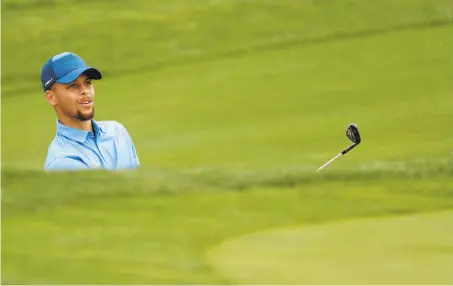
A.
pixel 108 147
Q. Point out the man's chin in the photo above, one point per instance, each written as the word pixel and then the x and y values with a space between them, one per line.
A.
pixel 85 116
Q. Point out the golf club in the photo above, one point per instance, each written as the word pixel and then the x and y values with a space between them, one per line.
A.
pixel 352 132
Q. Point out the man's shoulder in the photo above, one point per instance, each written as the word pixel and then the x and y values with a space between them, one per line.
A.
pixel 58 142
pixel 59 148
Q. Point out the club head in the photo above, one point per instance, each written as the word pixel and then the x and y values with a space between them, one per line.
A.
pixel 353 133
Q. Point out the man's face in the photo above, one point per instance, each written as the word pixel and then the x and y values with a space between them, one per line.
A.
pixel 75 99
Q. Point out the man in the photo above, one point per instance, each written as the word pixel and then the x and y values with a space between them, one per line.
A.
pixel 81 142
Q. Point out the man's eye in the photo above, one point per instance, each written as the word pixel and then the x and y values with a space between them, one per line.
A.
pixel 71 85
pixel 88 83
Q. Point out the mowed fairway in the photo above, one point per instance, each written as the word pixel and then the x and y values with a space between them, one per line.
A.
pixel 232 106
pixel 352 252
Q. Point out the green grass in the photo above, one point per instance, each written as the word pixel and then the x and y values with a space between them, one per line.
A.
pixel 232 105
pixel 113 234
pixel 334 253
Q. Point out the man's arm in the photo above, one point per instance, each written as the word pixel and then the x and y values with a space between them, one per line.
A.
pixel 134 152
pixel 132 146
pixel 65 164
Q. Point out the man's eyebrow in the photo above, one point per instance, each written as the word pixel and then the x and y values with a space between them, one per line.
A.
pixel 88 78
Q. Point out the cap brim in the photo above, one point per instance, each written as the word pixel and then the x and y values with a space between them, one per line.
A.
pixel 72 76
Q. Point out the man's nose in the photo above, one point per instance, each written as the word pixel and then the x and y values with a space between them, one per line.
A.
pixel 83 89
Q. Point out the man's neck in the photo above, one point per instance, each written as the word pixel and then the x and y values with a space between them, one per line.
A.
pixel 77 124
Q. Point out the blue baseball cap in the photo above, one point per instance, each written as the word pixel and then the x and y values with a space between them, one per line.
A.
pixel 65 68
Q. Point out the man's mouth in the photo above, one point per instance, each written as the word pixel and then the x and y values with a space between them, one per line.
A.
pixel 86 102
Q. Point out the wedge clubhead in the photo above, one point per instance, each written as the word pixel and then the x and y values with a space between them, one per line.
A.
pixel 353 134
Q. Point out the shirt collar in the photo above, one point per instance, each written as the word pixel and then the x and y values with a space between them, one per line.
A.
pixel 77 134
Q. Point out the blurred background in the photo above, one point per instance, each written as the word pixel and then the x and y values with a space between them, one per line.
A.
pixel 232 106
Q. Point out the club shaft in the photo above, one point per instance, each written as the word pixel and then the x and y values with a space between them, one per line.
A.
pixel 330 161
pixel 338 156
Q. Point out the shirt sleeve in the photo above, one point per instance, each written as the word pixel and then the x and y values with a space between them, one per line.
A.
pixel 134 152
pixel 132 146
pixel 65 164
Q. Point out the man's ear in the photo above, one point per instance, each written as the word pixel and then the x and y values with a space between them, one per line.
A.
pixel 50 97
